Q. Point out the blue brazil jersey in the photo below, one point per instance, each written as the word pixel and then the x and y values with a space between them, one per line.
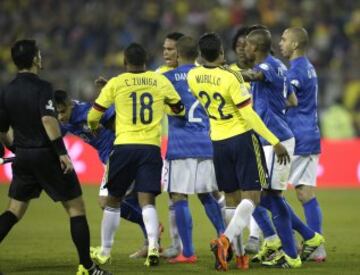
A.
pixel 303 119
pixel 77 126
pixel 269 97
pixel 189 136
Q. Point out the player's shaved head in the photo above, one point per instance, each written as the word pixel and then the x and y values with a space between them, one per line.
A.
pixel 261 38
pixel 186 48
pixel 300 36
pixel 135 55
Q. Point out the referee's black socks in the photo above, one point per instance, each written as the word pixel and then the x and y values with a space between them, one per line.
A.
pixel 7 221
pixel 81 237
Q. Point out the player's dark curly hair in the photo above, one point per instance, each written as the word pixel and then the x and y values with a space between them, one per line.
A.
pixel 242 31
pixel 23 53
pixel 210 46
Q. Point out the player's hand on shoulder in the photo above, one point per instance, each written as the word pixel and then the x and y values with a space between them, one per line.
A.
pixel 100 82
pixel 66 164
pixel 281 153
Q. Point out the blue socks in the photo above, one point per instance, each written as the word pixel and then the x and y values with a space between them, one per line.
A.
pixel 213 212
pixel 313 215
pixel 184 225
pixel 298 225
pixel 131 211
pixel 281 218
pixel 263 220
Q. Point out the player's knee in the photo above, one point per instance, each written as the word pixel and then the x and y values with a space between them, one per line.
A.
pixel 75 207
pixel 175 197
pixel 304 193
pixel 146 199
pixel 102 202
pixel 18 208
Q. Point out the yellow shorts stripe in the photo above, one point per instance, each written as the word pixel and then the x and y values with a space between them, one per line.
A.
pixel 259 162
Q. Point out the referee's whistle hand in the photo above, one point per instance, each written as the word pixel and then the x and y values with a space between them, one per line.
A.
pixel 66 164
pixel 282 154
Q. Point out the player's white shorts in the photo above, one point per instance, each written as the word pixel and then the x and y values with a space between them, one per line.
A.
pixel 304 170
pixel 189 176
pixel 103 192
pixel 278 174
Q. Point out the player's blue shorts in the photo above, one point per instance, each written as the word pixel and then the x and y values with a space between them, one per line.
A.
pixel 141 163
pixel 239 163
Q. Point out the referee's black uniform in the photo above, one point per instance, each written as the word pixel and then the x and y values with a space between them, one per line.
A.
pixel 23 103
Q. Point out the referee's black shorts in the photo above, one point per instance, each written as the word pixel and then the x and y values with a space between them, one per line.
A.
pixel 39 169
pixel 239 163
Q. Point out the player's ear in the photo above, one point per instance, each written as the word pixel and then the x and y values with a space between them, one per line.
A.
pixel 294 45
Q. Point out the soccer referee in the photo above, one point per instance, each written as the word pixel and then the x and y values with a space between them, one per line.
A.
pixel 42 162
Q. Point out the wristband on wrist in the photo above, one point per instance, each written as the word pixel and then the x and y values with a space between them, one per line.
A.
pixel 59 146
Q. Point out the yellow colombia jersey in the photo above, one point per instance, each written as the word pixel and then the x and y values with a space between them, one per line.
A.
pixel 235 67
pixel 139 100
pixel 219 90
pixel 163 69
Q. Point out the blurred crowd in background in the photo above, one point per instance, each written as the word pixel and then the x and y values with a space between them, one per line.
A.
pixel 82 39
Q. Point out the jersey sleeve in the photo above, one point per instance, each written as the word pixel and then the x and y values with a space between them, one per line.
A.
pixel 107 94
pixel 238 90
pixel 171 96
pixel 294 80
pixel 46 101
pixel 108 117
pixel 267 71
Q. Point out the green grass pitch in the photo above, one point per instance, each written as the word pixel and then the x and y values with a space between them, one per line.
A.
pixel 41 243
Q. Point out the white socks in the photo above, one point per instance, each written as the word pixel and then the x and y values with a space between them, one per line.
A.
pixel 222 205
pixel 151 222
pixel 240 219
pixel 173 230
pixel 237 242
pixel 254 229
pixel 110 223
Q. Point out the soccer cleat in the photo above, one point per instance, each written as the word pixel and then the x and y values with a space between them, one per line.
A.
pixel 97 257
pixel 319 255
pixel 220 248
pixel 252 246
pixel 153 257
pixel 283 261
pixel 141 253
pixel 170 252
pixel 242 262
pixel 311 245
pixel 94 270
pixel 181 259
pixel 268 251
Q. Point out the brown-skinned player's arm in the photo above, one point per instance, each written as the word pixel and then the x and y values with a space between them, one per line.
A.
pixel 251 75
pixel 94 116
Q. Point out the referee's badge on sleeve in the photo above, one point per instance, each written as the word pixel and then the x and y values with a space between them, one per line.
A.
pixel 50 106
